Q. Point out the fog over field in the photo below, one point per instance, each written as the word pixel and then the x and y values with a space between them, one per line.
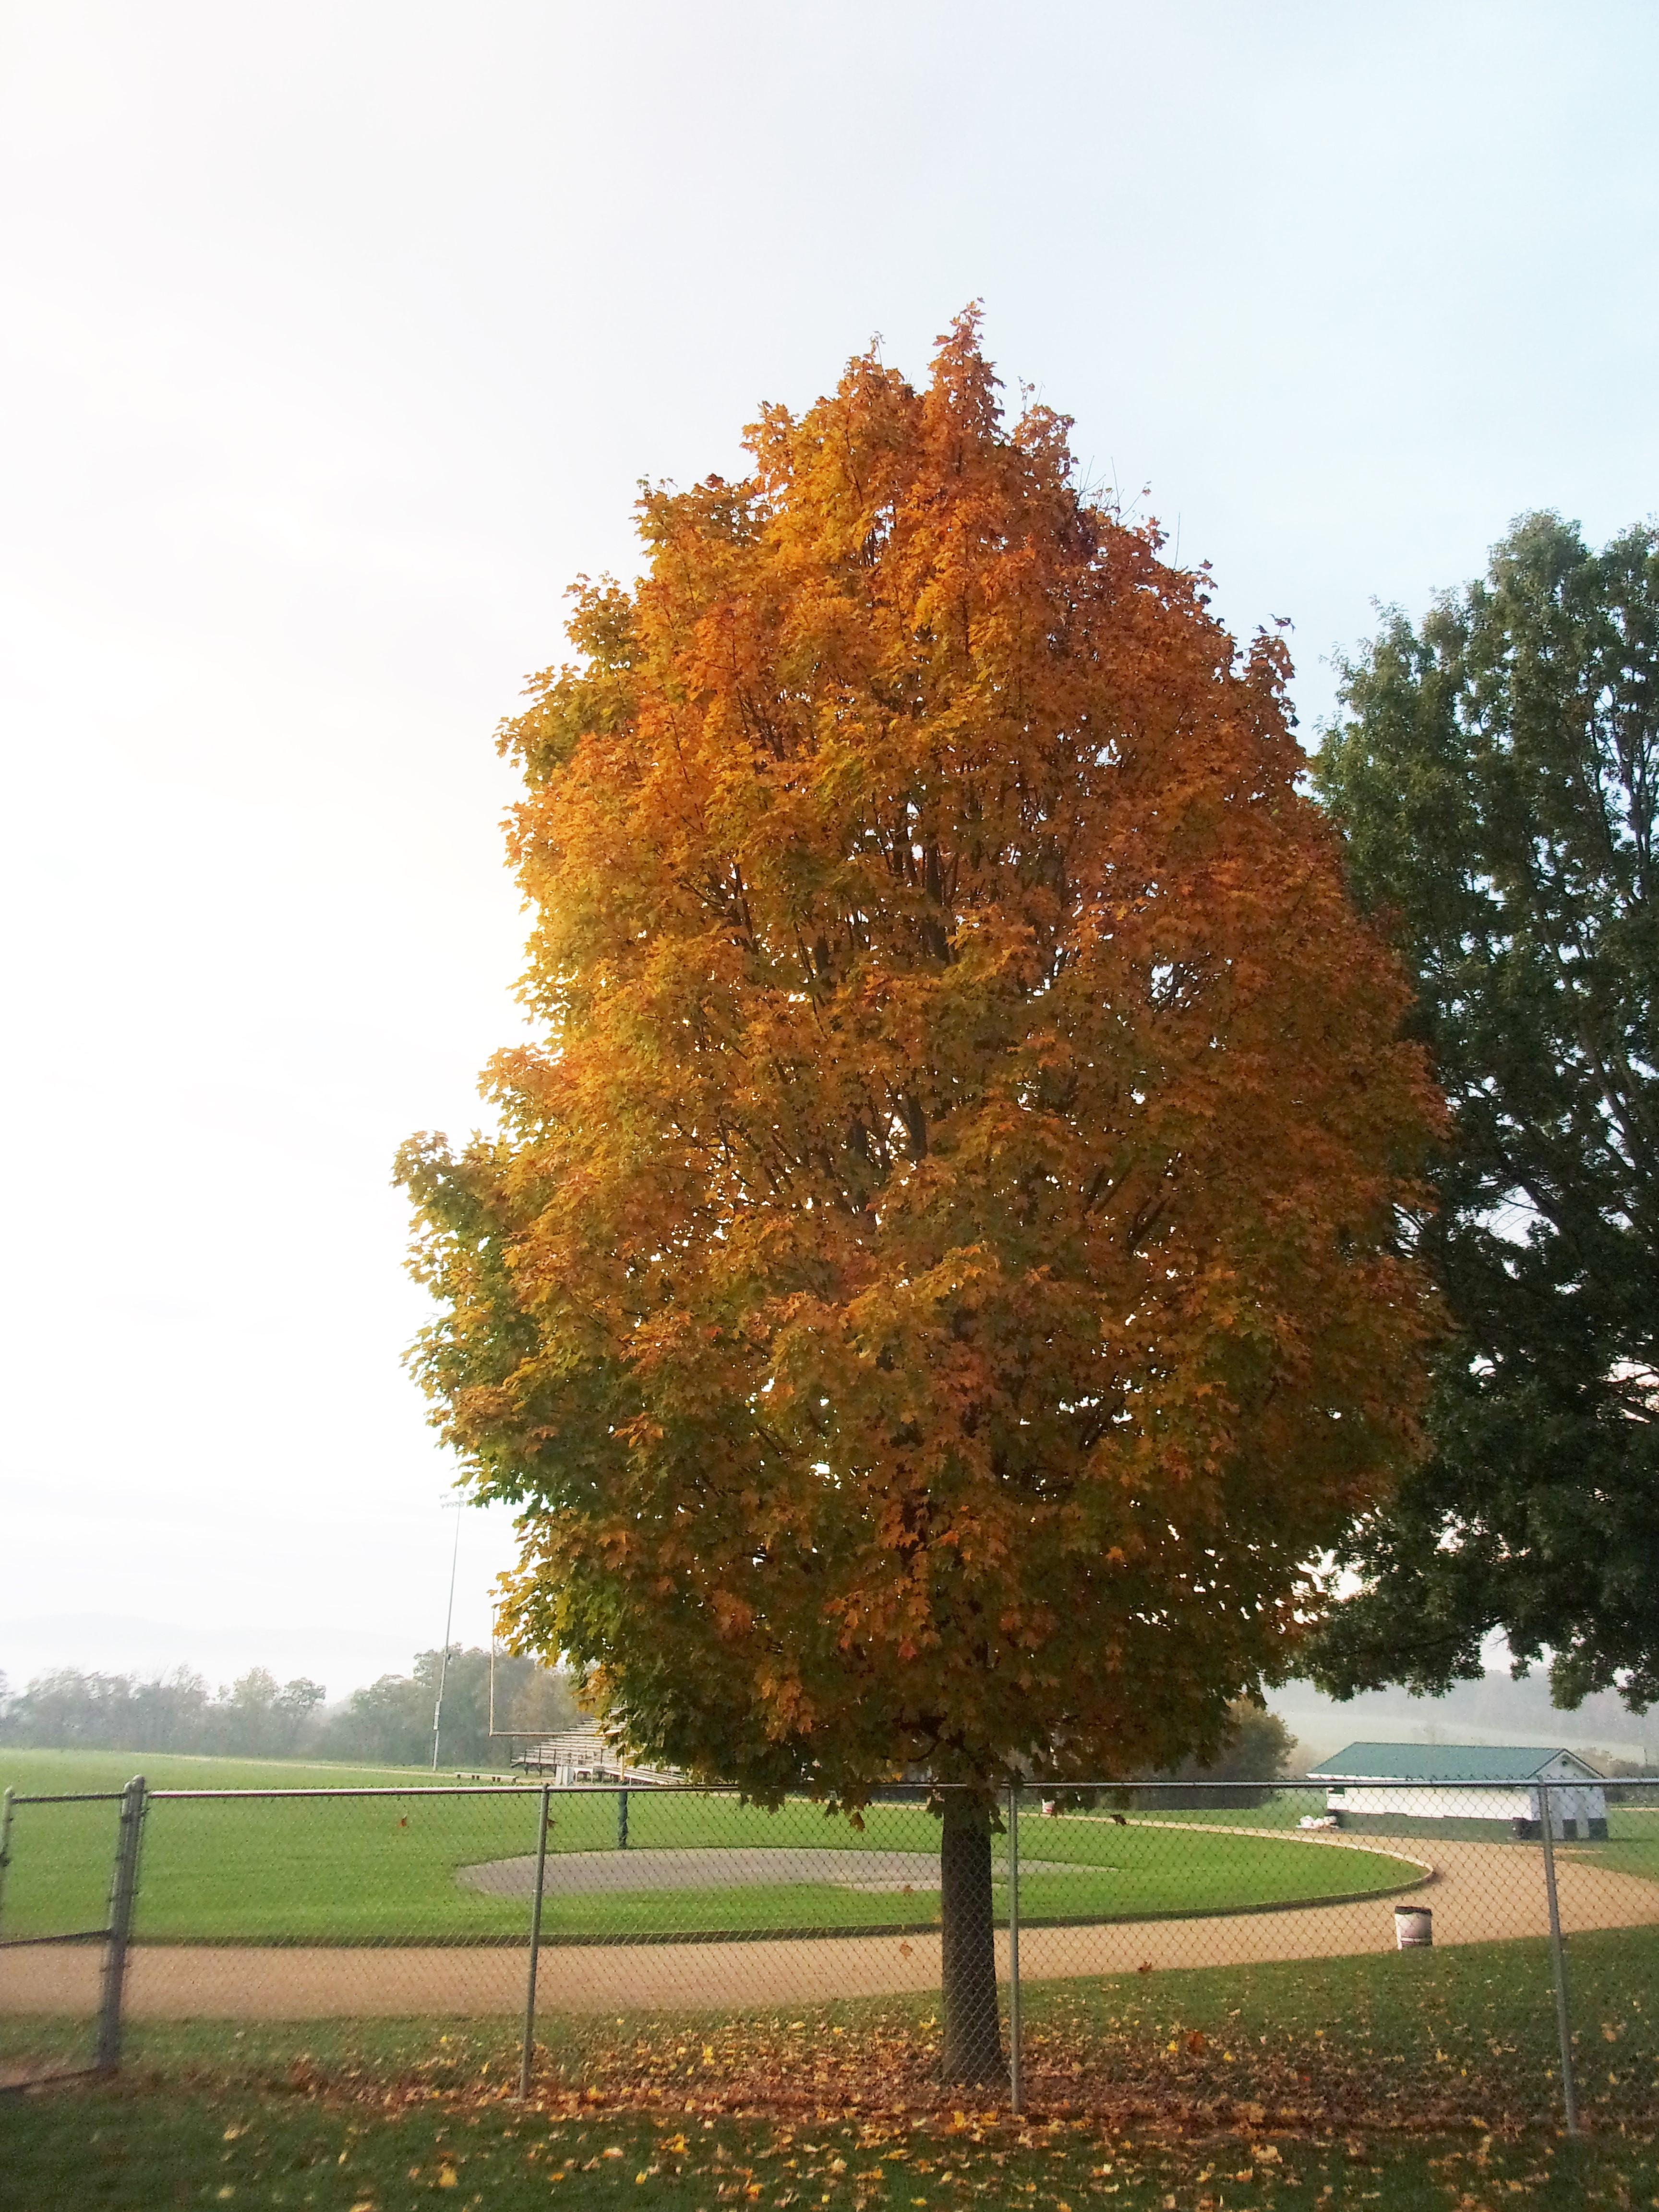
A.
pixel 1499 1710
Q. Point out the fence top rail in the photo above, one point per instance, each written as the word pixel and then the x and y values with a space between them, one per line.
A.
pixel 75 1797
pixel 530 1787
pixel 392 1790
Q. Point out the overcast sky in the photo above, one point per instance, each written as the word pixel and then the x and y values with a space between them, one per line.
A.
pixel 335 340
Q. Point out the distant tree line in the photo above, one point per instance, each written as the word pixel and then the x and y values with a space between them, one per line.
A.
pixel 1256 1754
pixel 256 1717
pixel 1626 1770
pixel 389 1723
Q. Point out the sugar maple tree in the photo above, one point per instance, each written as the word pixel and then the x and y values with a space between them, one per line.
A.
pixel 937 1285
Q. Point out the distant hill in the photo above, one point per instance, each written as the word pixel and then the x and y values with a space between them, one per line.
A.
pixel 1499 1710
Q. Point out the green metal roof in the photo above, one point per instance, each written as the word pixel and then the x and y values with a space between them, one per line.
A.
pixel 1442 1762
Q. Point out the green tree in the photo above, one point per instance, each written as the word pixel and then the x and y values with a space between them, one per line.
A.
pixel 389 1723
pixel 936 1287
pixel 1254 1754
pixel 259 1718
pixel 1495 773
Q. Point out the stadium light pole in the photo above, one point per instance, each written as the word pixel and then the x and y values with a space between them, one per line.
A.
pixel 457 1507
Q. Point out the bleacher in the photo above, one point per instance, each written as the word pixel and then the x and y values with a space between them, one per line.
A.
pixel 584 1755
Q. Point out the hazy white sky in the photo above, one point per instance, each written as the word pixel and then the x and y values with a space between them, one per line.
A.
pixel 335 338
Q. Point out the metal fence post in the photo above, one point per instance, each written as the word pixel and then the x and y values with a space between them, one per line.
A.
pixel 6 1803
pixel 535 1948
pixel 1558 1966
pixel 122 1894
pixel 1016 2085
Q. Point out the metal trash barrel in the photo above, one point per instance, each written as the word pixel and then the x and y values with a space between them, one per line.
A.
pixel 1413 1928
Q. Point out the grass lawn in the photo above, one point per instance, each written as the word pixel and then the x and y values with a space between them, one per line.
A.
pixel 1632 1844
pixel 133 2150
pixel 40 1771
pixel 386 1868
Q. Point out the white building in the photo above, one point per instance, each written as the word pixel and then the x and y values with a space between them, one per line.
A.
pixel 1395 1786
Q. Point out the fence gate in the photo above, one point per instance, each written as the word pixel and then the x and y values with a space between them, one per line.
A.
pixel 69 1878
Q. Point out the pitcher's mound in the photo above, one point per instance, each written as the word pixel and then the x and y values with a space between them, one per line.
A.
pixel 703 1868
pixel 737 1867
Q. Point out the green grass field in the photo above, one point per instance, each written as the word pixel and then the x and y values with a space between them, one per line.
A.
pixel 386 1868
pixel 29 1771
pixel 1632 1844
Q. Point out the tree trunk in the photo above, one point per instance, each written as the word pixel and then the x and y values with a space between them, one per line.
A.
pixel 972 2046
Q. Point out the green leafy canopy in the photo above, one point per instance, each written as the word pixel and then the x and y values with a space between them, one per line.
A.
pixel 1494 772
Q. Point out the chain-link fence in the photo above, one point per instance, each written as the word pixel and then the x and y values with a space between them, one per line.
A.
pixel 1323 1952
pixel 68 1871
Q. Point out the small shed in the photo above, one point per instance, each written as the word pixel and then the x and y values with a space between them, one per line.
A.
pixel 1428 1785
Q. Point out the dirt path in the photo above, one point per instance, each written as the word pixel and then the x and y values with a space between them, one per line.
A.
pixel 1478 1892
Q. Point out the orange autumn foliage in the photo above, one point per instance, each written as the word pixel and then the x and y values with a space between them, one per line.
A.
pixel 937 1286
